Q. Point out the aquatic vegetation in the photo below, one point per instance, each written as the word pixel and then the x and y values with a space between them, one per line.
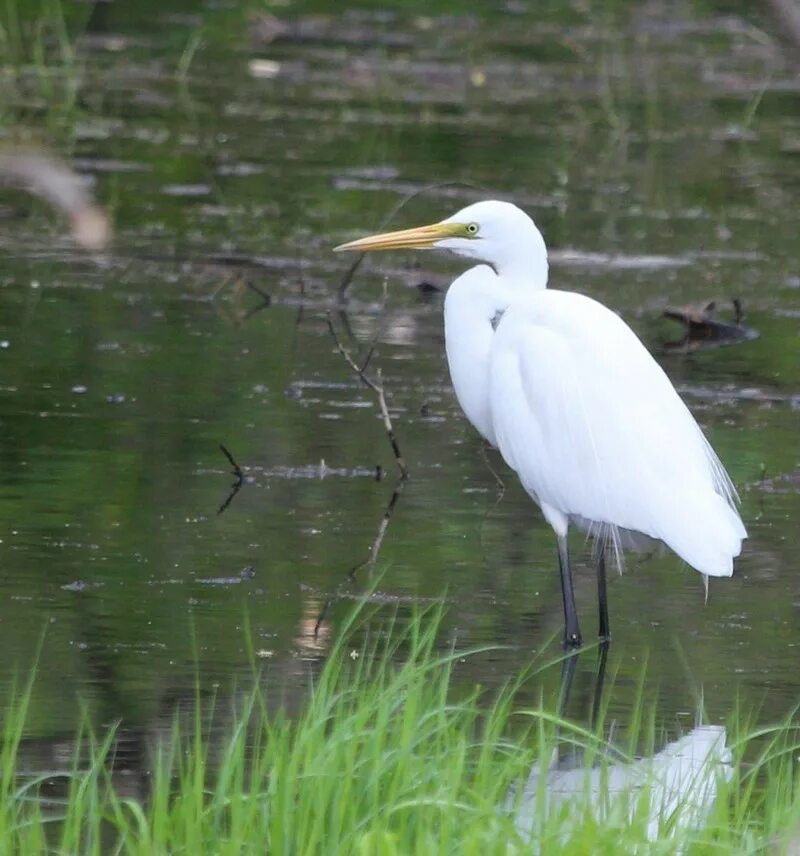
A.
pixel 40 68
pixel 387 757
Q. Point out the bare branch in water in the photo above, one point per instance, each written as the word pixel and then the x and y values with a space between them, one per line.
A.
pixel 376 385
pixel 63 189
pixel 348 277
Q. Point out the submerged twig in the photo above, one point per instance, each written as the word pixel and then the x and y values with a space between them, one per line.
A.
pixel 376 385
pixel 239 479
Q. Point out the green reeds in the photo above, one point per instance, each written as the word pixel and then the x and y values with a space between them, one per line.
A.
pixel 40 70
pixel 392 756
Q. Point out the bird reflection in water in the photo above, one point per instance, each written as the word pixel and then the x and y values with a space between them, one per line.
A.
pixel 674 790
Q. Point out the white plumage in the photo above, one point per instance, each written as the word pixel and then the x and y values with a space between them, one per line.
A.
pixel 594 429
pixel 574 402
pixel 671 792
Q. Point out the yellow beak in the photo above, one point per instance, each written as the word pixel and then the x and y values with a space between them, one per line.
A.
pixel 416 239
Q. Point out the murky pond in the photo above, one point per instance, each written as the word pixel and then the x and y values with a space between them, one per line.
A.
pixel 657 146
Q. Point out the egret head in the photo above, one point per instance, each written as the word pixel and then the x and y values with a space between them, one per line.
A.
pixel 494 232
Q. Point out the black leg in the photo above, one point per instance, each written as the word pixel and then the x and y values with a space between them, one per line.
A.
pixel 572 632
pixel 602 594
pixel 568 665
pixel 602 656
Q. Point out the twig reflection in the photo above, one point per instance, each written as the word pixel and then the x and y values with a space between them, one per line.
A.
pixel 266 300
pixel 568 667
pixel 238 475
pixel 239 285
pixel 370 561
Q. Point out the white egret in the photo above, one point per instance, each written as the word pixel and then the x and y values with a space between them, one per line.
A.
pixel 574 402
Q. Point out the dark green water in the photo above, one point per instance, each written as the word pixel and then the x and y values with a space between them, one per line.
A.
pixel 657 146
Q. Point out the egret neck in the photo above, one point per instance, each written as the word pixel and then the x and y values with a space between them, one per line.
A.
pixel 521 267
pixel 475 303
pixel 473 307
pixel 514 254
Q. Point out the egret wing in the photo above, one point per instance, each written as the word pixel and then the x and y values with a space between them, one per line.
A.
pixel 595 429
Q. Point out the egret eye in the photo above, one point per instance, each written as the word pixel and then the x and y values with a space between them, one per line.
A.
pixel 472 229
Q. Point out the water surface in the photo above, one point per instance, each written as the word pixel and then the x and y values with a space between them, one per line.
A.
pixel 657 148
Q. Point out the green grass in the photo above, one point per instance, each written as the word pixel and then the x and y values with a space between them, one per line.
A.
pixel 41 71
pixel 388 757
